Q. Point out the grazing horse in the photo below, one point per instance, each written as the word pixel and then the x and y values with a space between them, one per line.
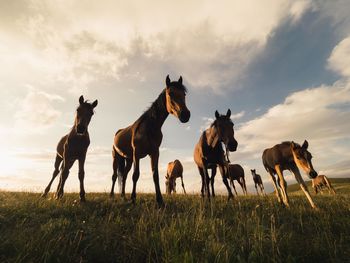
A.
pixel 175 170
pixel 236 172
pixel 322 181
pixel 257 182
pixel 208 152
pixel 144 137
pixel 72 147
pixel 288 156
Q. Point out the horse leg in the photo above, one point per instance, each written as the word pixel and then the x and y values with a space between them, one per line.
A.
pixel 125 175
pixel 275 186
pixel 207 179
pixel 115 173
pixel 262 189
pixel 203 182
pixel 67 164
pixel 183 185
pixel 54 175
pixel 224 179
pixel 256 189
pixel 174 185
pixel 212 181
pixel 154 164
pixel 81 177
pixel 244 187
pixel 233 186
pixel 283 185
pixel 135 176
pixel 303 186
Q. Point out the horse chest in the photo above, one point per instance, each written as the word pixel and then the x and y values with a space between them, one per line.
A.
pixel 76 146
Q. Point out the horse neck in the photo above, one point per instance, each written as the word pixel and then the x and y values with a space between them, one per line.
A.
pixel 158 112
pixel 212 137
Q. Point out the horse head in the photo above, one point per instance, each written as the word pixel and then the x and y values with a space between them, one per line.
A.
pixel 176 99
pixel 302 158
pixel 83 115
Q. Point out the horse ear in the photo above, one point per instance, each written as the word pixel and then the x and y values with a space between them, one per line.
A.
pixel 81 99
pixel 167 81
pixel 217 115
pixel 305 145
pixel 180 80
pixel 228 114
pixel 94 104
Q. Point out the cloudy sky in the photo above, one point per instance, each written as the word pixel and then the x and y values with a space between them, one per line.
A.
pixel 282 67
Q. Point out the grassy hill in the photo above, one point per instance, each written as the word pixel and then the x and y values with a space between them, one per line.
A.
pixel 247 229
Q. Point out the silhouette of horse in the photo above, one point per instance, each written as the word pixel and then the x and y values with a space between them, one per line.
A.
pixel 257 182
pixel 175 170
pixel 72 147
pixel 322 181
pixel 236 172
pixel 144 137
pixel 288 156
pixel 208 152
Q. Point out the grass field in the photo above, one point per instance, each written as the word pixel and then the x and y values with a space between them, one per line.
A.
pixel 248 229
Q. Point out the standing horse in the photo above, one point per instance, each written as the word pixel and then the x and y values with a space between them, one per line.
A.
pixel 322 181
pixel 236 172
pixel 72 147
pixel 257 182
pixel 175 170
pixel 208 152
pixel 144 137
pixel 288 156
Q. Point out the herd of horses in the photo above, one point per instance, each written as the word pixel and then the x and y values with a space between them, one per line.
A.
pixel 144 137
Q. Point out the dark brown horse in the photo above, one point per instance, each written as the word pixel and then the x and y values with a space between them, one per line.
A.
pixel 236 172
pixel 208 152
pixel 72 147
pixel 174 171
pixel 288 156
pixel 257 182
pixel 320 182
pixel 144 137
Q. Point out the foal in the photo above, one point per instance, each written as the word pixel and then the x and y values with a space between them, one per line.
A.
pixel 322 181
pixel 236 172
pixel 208 152
pixel 144 137
pixel 174 171
pixel 257 182
pixel 72 147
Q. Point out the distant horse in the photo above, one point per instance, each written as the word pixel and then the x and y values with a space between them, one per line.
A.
pixel 72 147
pixel 236 172
pixel 288 156
pixel 208 152
pixel 257 182
pixel 144 137
pixel 322 181
pixel 175 170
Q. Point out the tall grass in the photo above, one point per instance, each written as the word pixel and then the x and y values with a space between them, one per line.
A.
pixel 188 229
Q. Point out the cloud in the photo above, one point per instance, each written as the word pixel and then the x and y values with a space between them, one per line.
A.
pixel 238 115
pixel 339 61
pixel 35 112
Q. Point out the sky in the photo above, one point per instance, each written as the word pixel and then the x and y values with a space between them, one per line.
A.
pixel 282 67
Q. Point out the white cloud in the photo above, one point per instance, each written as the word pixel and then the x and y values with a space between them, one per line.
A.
pixel 35 112
pixel 238 115
pixel 339 60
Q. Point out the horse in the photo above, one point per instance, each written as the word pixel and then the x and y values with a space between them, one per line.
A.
pixel 289 156
pixel 208 152
pixel 175 170
pixel 72 147
pixel 257 182
pixel 236 172
pixel 322 181
pixel 144 137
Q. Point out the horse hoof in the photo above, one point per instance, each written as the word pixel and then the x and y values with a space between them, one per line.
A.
pixel 82 200
pixel 111 196
pixel 44 195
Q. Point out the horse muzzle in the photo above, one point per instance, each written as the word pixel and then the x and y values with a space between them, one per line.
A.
pixel 232 146
pixel 185 116
pixel 313 174
pixel 81 129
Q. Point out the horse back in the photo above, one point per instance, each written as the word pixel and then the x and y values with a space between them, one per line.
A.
pixel 280 154
pixel 175 169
